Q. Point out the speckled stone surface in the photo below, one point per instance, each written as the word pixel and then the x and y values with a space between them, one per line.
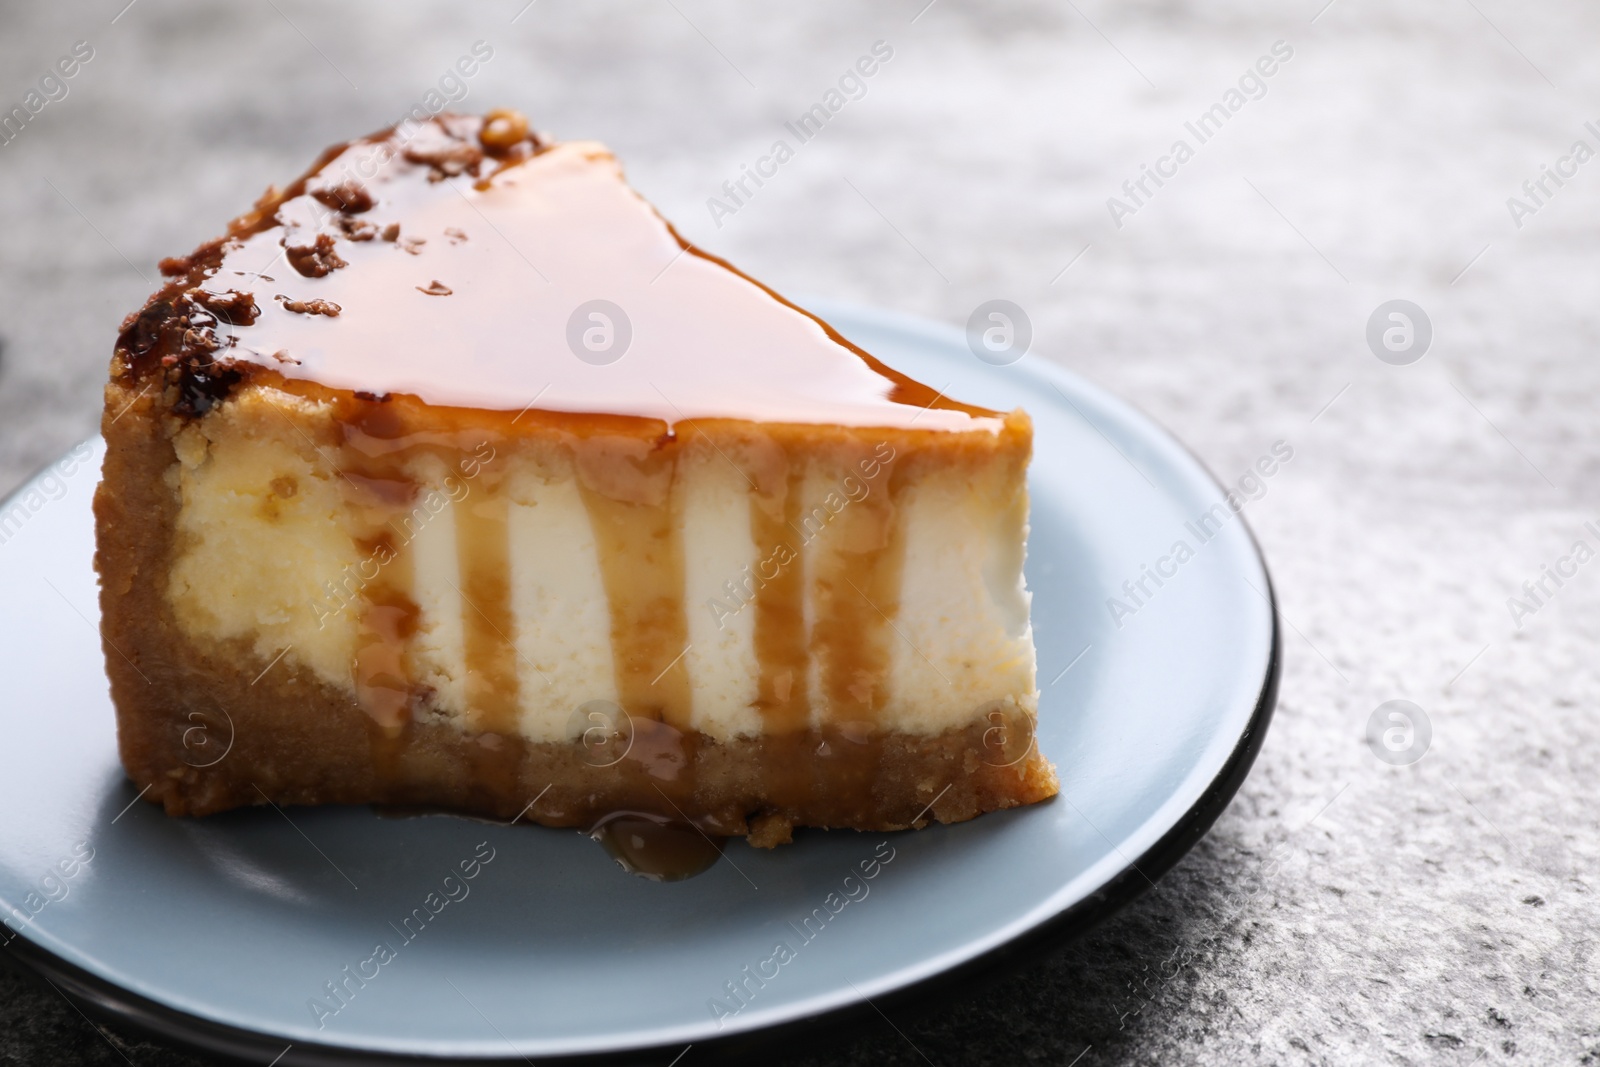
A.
pixel 1343 910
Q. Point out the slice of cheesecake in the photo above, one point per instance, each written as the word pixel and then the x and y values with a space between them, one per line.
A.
pixel 452 476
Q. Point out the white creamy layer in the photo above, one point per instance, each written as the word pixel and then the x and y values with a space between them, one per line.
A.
pixel 265 556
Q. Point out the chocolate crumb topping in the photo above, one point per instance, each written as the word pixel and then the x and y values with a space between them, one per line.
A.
pixel 181 336
pixel 193 336
pixel 233 307
pixel 311 307
pixel 346 196
pixel 357 229
pixel 202 387
pixel 202 340
pixel 141 332
pixel 502 130
pixel 446 156
pixel 316 259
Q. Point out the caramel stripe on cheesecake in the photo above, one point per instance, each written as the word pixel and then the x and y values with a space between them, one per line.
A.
pixel 858 562
pixel 783 655
pixel 833 533
pixel 857 567
pixel 388 622
pixel 382 457
pixel 377 487
pixel 784 662
pixel 483 553
pixel 627 487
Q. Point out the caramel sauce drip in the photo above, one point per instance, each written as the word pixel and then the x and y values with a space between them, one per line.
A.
pixel 483 553
pixel 627 487
pixel 382 667
pixel 644 808
pixel 656 848
pixel 643 843
pixel 377 488
pixel 844 550
pixel 780 622
pixel 387 448
pixel 858 568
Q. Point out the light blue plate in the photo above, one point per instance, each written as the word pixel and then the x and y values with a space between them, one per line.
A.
pixel 222 932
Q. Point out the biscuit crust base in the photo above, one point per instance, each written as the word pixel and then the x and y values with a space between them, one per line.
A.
pixel 205 730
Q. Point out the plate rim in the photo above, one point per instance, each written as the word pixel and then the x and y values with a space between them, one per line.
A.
pixel 112 1003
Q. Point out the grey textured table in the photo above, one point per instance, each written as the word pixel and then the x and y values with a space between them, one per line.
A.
pixel 1343 909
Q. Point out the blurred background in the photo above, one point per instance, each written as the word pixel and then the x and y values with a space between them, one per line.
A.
pixel 1345 908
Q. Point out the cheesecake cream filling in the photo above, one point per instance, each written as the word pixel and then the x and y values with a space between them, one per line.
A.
pixel 269 552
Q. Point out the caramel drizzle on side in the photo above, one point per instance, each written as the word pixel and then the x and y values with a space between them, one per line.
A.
pixel 382 455
pixel 781 648
pixel 489 625
pixel 847 559
pixel 388 621
pixel 377 487
pixel 858 566
pixel 627 486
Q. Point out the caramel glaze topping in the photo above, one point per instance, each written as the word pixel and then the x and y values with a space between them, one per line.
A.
pixel 426 282
pixel 462 262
